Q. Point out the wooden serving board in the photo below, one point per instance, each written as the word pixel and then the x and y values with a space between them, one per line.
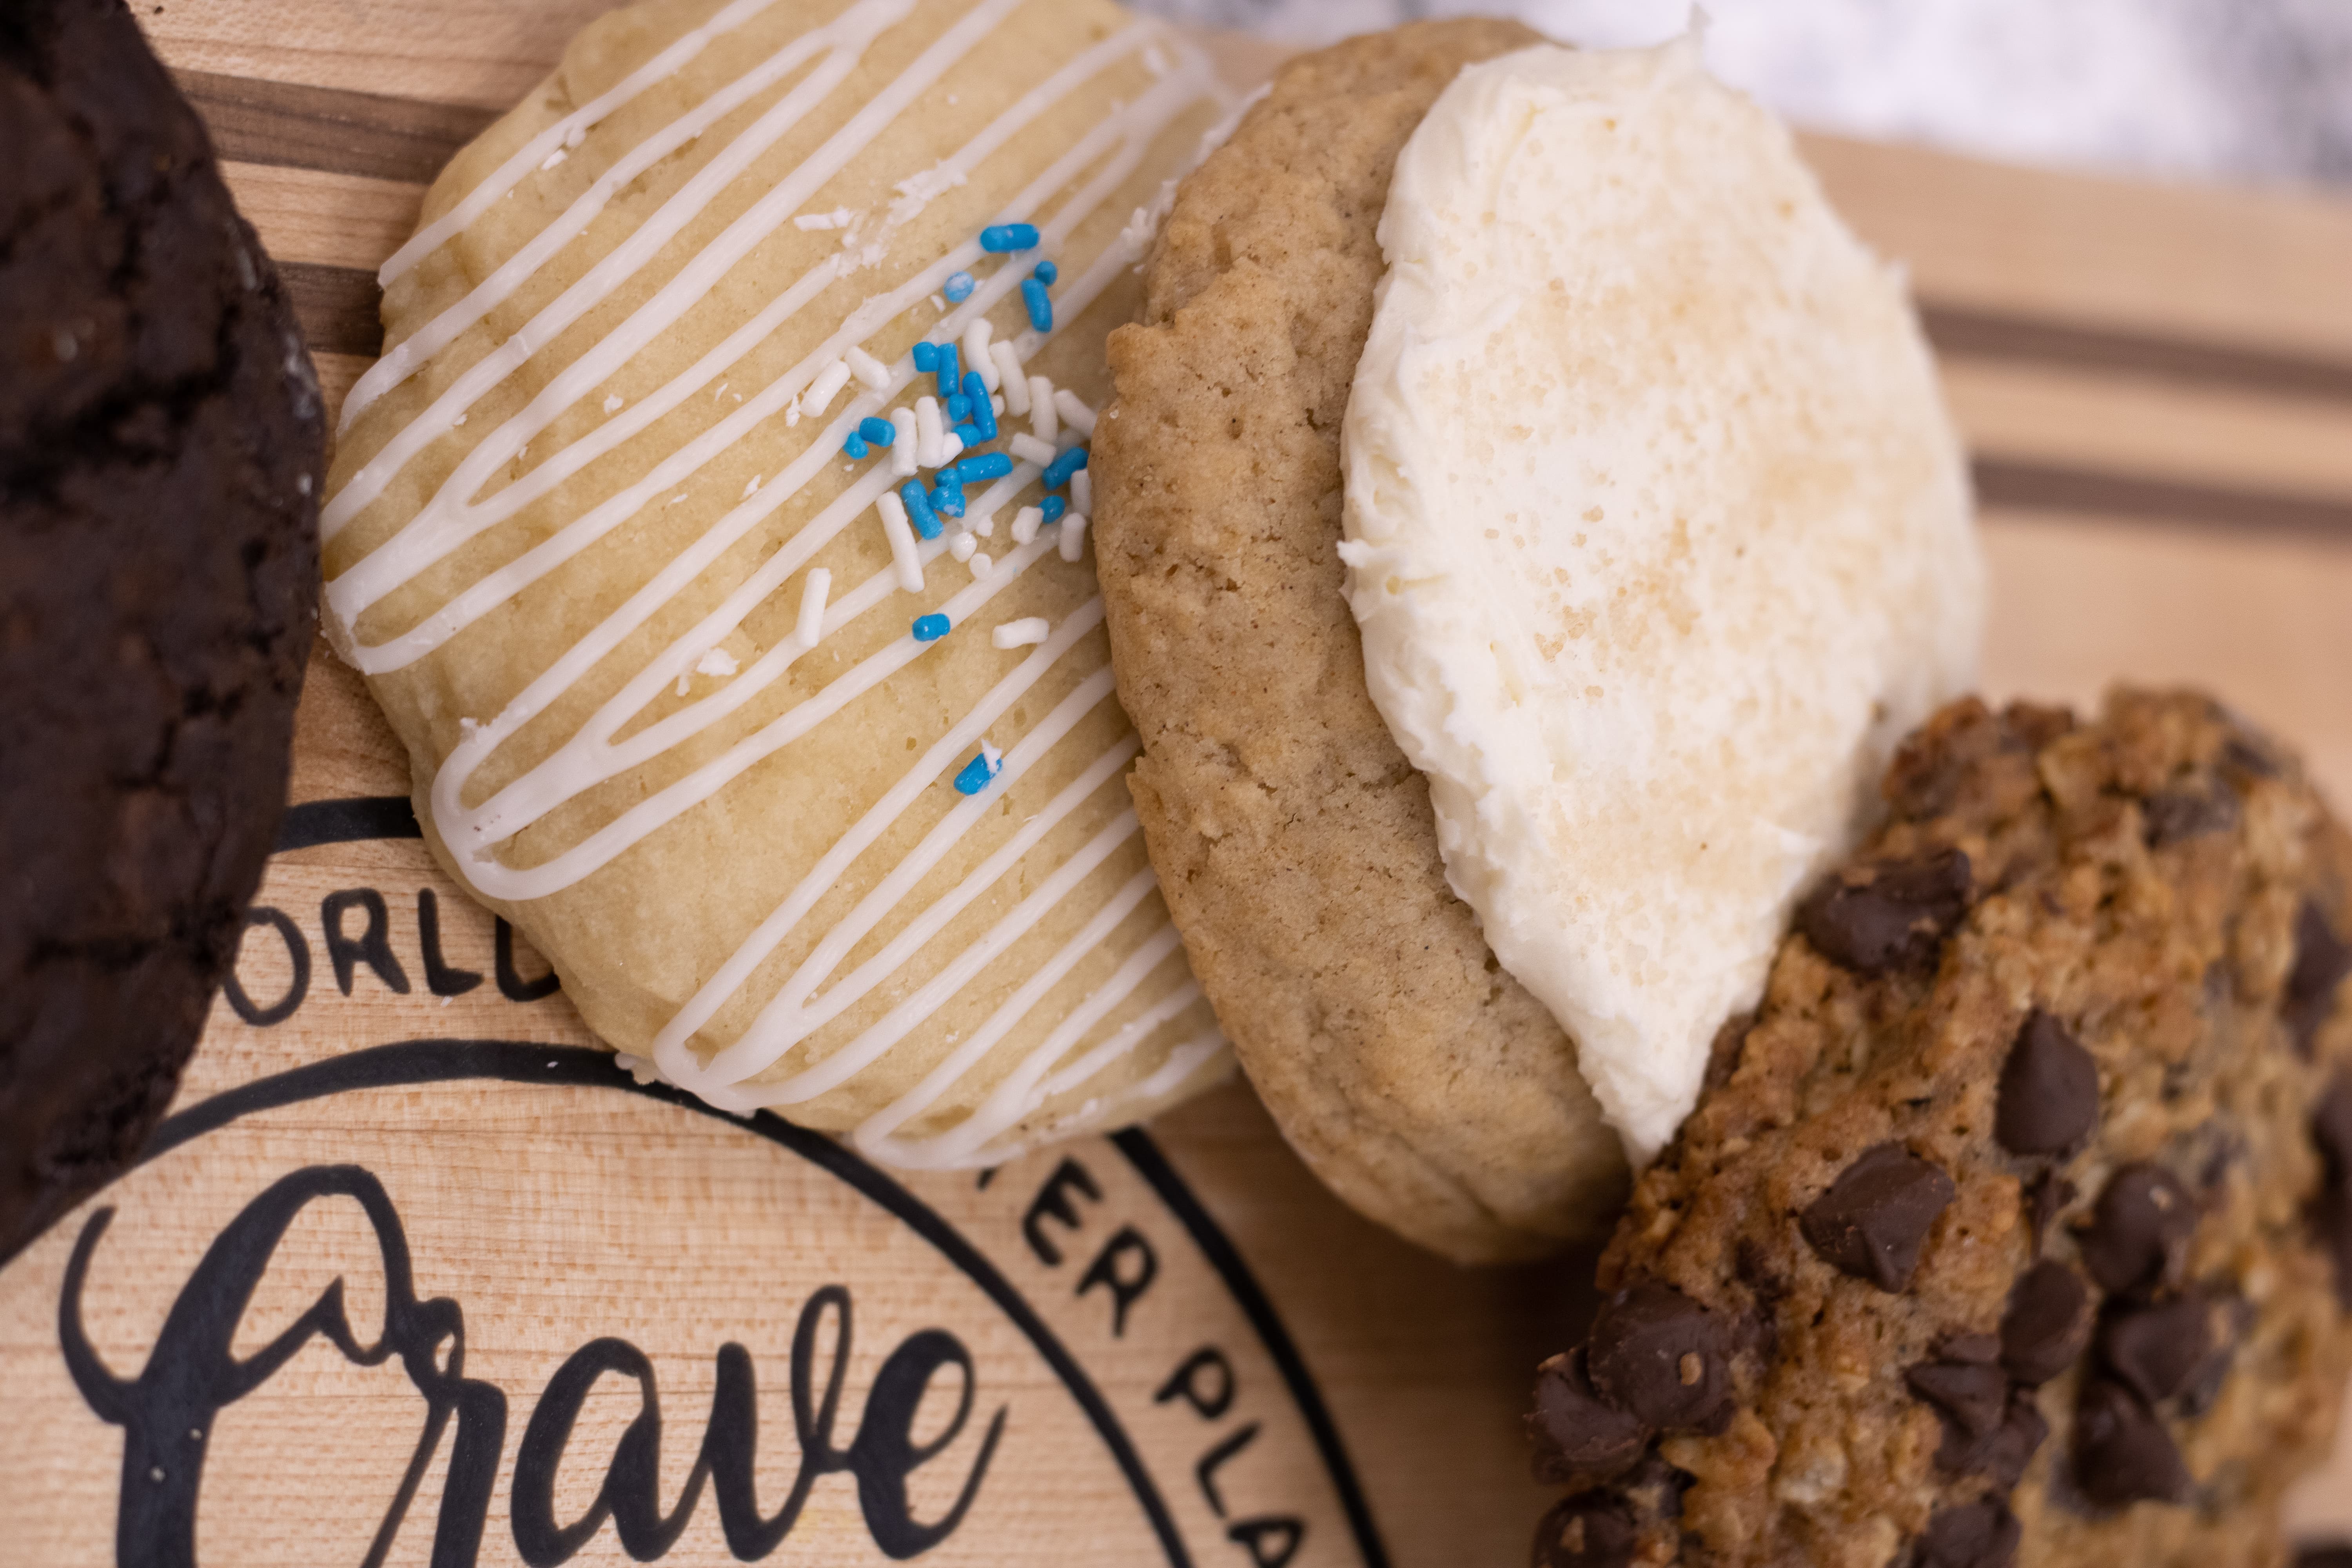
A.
pixel 413 1275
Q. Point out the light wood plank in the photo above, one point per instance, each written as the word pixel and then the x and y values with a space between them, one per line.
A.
pixel 2249 267
pixel 2265 624
pixel 334 220
pixel 2158 428
pixel 452 51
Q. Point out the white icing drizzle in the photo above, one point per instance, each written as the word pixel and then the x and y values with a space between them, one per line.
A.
pixel 466 505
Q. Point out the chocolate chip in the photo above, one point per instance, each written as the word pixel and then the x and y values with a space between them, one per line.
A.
pixel 2331 1210
pixel 1578 1435
pixel 2137 1231
pixel 1978 1350
pixel 2231 1319
pixel 2046 1200
pixel 2005 1451
pixel 2122 1452
pixel 2171 816
pixel 2047 1324
pixel 1974 1535
pixel 1874 1218
pixel 2049 1091
pixel 2155 1351
pixel 2331 1129
pixel 1972 1396
pixel 1662 1356
pixel 1889 916
pixel 2322 960
pixel 2324 1557
pixel 1591 1530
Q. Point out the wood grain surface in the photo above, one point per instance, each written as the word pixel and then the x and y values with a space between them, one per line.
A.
pixel 2158 388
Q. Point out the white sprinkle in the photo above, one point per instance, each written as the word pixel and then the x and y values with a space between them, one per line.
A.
pixel 1074 412
pixel 976 356
pixel 1026 523
pixel 1082 492
pixel 457 421
pixel 870 372
pixel 813 589
pixel 929 432
pixel 950 448
pixel 683 678
pixel 576 135
pixel 553 159
pixel 839 217
pixel 612 403
pixel 896 528
pixel 938 304
pixel 1044 423
pixel 825 387
pixel 678 499
pixel 792 413
pixel 753 489
pixel 718 392
pixel 984 525
pixel 1030 450
pixel 961 544
pixel 1010 377
pixel 718 662
pixel 1026 633
pixel 981 565
pixel 902 449
pixel 1073 534
pixel 997 403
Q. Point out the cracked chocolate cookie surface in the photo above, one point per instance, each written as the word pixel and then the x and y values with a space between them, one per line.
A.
pixel 161 453
pixel 1295 843
pixel 2016 1225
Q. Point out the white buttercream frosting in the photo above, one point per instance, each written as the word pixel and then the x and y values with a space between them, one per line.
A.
pixel 1657 532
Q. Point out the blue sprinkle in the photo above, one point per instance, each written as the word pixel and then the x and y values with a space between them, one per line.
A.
pixel 978 774
pixel 927 357
pixel 1040 303
pixel 1001 238
pixel 930 628
pixel 957 408
pixel 958 287
pixel 880 432
pixel 918 509
pixel 1047 273
pixel 980 469
pixel 951 372
pixel 983 409
pixel 947 499
pixel 1053 507
pixel 856 445
pixel 1058 472
pixel 967 434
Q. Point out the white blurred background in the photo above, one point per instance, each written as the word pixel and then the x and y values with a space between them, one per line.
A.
pixel 2239 90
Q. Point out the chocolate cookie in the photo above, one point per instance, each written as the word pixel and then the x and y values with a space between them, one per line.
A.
pixel 1296 844
pixel 161 451
pixel 2016 1225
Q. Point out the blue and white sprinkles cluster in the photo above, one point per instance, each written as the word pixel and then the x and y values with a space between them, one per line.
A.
pixel 980 383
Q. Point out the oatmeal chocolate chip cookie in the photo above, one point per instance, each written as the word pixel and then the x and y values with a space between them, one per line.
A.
pixel 1296 844
pixel 160 445
pixel 2016 1225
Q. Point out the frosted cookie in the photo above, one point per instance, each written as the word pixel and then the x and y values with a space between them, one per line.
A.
pixel 713 532
pixel 2016 1226
pixel 1529 520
